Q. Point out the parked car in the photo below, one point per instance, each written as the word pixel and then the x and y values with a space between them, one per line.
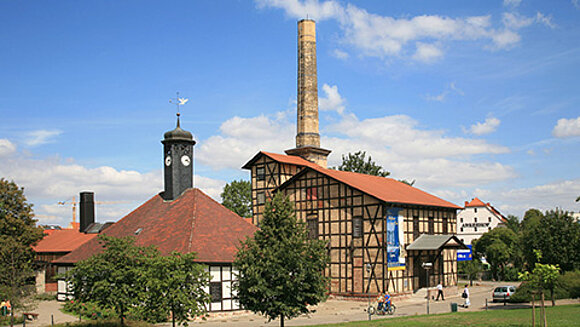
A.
pixel 503 293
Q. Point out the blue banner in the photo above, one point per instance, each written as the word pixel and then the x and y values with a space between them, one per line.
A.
pixel 464 255
pixel 394 260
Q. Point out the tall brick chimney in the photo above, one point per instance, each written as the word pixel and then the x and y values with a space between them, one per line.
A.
pixel 307 136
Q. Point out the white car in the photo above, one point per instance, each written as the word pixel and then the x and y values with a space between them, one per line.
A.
pixel 503 293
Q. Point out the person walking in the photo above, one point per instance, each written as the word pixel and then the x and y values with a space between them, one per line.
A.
pixel 3 308
pixel 465 296
pixel 440 292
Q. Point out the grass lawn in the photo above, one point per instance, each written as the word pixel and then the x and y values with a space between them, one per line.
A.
pixel 564 315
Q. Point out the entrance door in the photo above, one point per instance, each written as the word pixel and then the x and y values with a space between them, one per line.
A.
pixel 420 272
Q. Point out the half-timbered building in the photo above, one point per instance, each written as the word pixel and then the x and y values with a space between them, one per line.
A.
pixel 381 234
pixel 180 219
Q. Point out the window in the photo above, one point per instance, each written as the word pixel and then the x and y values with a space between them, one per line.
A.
pixel 489 219
pixel 475 210
pixel 215 291
pixel 357 224
pixel 312 224
pixel 461 229
pixel 444 225
pixel 489 228
pixel 260 173
pixel 415 227
pixel 431 226
pixel 261 198
pixel 475 219
pixel 475 229
pixel 461 220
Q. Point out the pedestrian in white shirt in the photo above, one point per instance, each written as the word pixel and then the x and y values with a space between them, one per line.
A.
pixel 440 292
pixel 465 296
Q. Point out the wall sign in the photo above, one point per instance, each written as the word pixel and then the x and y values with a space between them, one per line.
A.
pixel 395 260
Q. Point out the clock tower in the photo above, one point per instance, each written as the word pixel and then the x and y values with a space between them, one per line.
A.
pixel 177 161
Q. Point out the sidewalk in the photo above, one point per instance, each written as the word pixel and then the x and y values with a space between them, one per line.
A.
pixel 337 311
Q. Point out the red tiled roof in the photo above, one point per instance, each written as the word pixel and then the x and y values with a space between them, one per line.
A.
pixel 386 189
pixel 62 240
pixel 194 222
pixel 475 203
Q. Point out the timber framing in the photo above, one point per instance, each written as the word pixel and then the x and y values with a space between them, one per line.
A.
pixel 353 222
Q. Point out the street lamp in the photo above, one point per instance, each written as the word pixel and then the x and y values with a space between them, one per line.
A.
pixel 369 267
pixel 427 266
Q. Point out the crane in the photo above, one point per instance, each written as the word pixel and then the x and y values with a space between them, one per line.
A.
pixel 73 202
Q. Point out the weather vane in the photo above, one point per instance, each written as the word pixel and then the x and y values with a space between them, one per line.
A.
pixel 178 102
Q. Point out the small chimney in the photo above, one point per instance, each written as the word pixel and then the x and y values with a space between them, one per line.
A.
pixel 87 206
pixel 466 203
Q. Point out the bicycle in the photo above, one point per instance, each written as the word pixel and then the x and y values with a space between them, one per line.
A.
pixel 372 310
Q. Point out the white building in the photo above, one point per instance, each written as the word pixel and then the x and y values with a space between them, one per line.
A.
pixel 476 218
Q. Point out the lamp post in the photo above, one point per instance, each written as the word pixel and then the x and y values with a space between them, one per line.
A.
pixel 369 267
pixel 427 266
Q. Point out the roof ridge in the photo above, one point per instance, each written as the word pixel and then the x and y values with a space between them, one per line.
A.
pixel 193 218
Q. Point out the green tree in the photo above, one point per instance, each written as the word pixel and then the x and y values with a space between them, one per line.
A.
pixel 175 285
pixel 237 196
pixel 470 268
pixel 499 247
pixel 18 232
pixel 358 163
pixel 281 268
pixel 543 277
pixel 557 235
pixel 513 223
pixel 113 278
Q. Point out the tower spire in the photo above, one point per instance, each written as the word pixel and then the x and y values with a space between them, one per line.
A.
pixel 307 132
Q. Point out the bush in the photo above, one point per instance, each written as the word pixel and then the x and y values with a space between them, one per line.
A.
pixel 88 310
pixel 567 286
pixel 571 282
pixel 511 274
pixel 106 323
pixel 5 321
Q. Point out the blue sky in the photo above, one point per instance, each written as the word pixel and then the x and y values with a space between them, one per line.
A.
pixel 478 98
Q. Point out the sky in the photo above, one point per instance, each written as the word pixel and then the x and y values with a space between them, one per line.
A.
pixel 467 98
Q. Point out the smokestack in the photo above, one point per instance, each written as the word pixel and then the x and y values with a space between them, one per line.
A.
pixel 87 206
pixel 307 136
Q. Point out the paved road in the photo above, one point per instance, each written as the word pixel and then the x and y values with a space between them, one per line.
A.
pixel 336 311
pixel 332 311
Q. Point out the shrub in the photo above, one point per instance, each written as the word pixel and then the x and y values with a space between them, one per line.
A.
pixel 511 274
pixel 88 310
pixel 567 286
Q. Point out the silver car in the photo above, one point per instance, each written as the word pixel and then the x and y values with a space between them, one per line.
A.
pixel 503 293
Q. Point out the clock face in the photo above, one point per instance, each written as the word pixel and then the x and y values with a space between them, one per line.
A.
pixel 168 161
pixel 185 160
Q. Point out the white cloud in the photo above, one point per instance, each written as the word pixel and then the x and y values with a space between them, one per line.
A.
pixel 490 125
pixel 567 128
pixel 441 96
pixel 516 21
pixel 332 101
pixel 241 138
pixel 40 137
pixel 6 148
pixel 512 3
pixel 337 53
pixel 49 180
pixel 419 38
pixel 561 194
pixel 427 52
pixel 546 20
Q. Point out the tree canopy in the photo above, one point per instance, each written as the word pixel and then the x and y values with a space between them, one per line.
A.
pixel 237 196
pixel 358 163
pixel 499 247
pixel 138 280
pixel 18 232
pixel 281 268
